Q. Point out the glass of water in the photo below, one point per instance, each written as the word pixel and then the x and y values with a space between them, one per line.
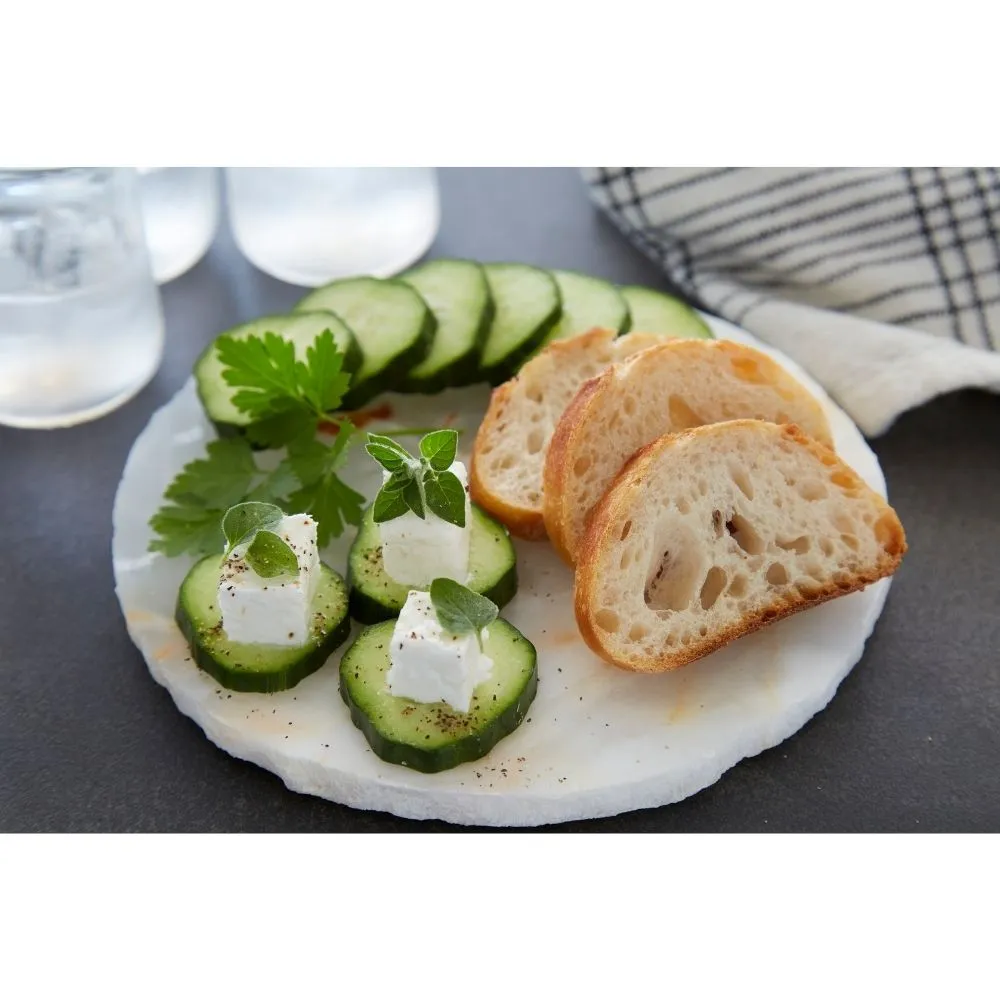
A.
pixel 81 327
pixel 180 207
pixel 308 226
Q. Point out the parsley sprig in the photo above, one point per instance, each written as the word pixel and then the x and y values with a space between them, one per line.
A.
pixel 418 483
pixel 287 400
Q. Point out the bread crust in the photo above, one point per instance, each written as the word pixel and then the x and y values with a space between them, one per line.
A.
pixel 573 431
pixel 522 520
pixel 622 497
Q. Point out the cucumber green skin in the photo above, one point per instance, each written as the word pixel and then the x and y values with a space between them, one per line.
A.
pixel 394 373
pixel 388 378
pixel 369 609
pixel 462 751
pixel 260 682
pixel 624 324
pixel 511 364
pixel 684 323
pixel 506 369
pixel 226 428
pixel 462 371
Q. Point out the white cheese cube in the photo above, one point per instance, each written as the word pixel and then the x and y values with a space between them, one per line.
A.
pixel 272 611
pixel 415 551
pixel 428 664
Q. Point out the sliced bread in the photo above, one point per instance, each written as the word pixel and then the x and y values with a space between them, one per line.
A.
pixel 709 534
pixel 510 446
pixel 670 387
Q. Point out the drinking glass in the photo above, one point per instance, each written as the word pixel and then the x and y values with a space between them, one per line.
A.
pixel 180 209
pixel 81 327
pixel 308 226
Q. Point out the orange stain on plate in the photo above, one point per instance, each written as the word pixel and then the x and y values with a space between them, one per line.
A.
pixel 361 418
pixel 680 708
pixel 564 637
pixel 170 651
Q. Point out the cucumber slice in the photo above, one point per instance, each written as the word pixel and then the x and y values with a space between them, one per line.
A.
pixel 434 737
pixel 655 312
pixel 528 306
pixel 588 302
pixel 252 667
pixel 301 329
pixel 459 296
pixel 375 596
pixel 393 326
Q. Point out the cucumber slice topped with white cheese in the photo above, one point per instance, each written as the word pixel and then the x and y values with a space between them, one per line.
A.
pixel 527 306
pixel 393 326
pixel 245 666
pixel 433 736
pixel 459 296
pixel 588 302
pixel 301 329
pixel 656 312
pixel 375 596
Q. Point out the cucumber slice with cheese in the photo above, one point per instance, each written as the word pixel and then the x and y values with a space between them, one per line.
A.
pixel 434 737
pixel 656 312
pixel 251 666
pixel 375 596
pixel 393 326
pixel 527 306
pixel 301 329
pixel 459 296
pixel 588 302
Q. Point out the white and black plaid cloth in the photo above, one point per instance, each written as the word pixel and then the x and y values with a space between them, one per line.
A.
pixel 884 284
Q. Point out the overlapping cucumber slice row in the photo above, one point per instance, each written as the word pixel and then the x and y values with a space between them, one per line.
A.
pixel 448 323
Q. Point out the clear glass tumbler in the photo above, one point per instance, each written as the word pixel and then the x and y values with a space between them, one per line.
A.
pixel 308 226
pixel 180 208
pixel 81 326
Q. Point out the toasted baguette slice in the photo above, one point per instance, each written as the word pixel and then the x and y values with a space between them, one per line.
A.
pixel 510 447
pixel 667 388
pixel 709 534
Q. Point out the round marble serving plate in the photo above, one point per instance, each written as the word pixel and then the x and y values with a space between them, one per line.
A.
pixel 597 741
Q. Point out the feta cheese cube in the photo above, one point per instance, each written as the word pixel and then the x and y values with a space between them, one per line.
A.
pixel 428 664
pixel 273 611
pixel 415 551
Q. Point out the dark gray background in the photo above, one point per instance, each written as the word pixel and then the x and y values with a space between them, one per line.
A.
pixel 88 741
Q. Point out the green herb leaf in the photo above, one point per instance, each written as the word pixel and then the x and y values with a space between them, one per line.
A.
pixel 388 506
pixel 438 449
pixel 445 496
pixel 264 369
pixel 332 503
pixel 198 498
pixel 269 555
pixel 322 380
pixel 219 480
pixel 398 481
pixel 388 453
pixel 413 497
pixel 244 519
pixel 187 528
pixel 461 611
pixel 276 485
pixel 385 457
pixel 281 429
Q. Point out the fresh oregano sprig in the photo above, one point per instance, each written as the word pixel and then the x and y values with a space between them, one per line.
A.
pixel 253 525
pixel 462 611
pixel 419 483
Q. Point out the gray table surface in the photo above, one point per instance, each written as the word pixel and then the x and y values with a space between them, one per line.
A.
pixel 88 741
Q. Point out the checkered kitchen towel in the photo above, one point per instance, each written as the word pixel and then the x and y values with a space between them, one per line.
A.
pixel 883 284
